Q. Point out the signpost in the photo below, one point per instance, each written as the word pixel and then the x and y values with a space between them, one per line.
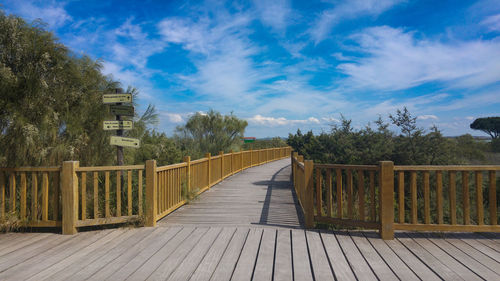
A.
pixel 117 125
pixel 248 139
pixel 122 110
pixel 116 98
pixel 118 108
pixel 123 141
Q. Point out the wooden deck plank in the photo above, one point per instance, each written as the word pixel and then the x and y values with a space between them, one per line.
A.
pixel 193 259
pixel 169 264
pixel 156 238
pixel 463 258
pixel 341 267
pixel 105 259
pixel 432 262
pixel 474 253
pixel 16 245
pixel 77 257
pixel 301 265
pixel 265 260
pixel 209 263
pixel 319 261
pixel 226 266
pixel 38 263
pixel 138 260
pixel 358 264
pixel 157 259
pixel 246 263
pixel 469 238
pixel 283 260
pixel 444 257
pixel 393 261
pixel 378 265
pixel 413 262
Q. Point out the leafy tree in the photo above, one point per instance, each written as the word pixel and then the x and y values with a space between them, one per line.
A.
pixel 211 132
pixel 489 125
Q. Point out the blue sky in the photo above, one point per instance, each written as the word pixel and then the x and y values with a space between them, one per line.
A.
pixel 284 65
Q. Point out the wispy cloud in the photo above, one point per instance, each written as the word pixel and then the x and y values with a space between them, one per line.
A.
pixel 275 14
pixel 51 12
pixel 394 59
pixel 492 22
pixel 347 10
pixel 427 117
pixel 280 121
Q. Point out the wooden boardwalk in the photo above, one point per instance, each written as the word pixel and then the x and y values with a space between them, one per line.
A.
pixel 253 234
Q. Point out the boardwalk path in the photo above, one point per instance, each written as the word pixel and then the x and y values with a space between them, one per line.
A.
pixel 251 233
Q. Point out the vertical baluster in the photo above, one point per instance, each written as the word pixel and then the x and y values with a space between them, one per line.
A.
pixel 413 188
pixel 328 185
pixel 12 185
pixel 427 199
pixel 140 193
pixel 129 192
pixel 34 196
pixel 401 196
pixel 55 196
pixel 493 197
pixel 453 197
pixel 479 198
pixel 340 206
pixel 372 196
pixel 319 199
pixel 439 196
pixel 107 212
pixel 118 193
pixel 96 195
pixel 45 196
pixel 84 195
pixel 23 195
pixel 466 196
pixel 361 194
pixel 350 199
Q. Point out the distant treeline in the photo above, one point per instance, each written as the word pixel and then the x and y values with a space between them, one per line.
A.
pixel 413 146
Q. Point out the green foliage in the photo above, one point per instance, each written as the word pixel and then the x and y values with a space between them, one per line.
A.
pixel 264 143
pixel 489 125
pixel 345 145
pixel 158 146
pixel 211 132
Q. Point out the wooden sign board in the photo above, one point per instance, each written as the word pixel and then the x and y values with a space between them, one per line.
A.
pixel 117 98
pixel 123 110
pixel 117 125
pixel 122 141
pixel 249 139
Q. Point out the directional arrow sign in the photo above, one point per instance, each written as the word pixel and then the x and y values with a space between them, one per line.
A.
pixel 121 141
pixel 117 125
pixel 117 98
pixel 123 110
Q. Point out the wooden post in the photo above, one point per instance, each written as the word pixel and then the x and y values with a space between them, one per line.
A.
pixel 221 154
pixel 232 160
pixel 241 160
pixel 187 159
pixel 386 199
pixel 69 197
pixel 208 169
pixel 151 193
pixel 308 186
pixel 251 162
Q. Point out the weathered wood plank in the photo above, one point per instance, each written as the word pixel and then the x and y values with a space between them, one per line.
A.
pixel 212 258
pixel 300 256
pixel 227 264
pixel 341 267
pixel 246 262
pixel 283 258
pixel 358 264
pixel 265 259
pixel 319 261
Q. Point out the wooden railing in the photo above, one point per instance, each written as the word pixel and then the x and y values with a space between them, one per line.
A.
pixel 388 197
pixel 31 194
pixel 173 184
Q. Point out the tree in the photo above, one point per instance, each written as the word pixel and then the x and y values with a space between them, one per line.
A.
pixel 211 132
pixel 489 125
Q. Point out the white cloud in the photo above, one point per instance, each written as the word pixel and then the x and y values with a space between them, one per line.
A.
pixel 492 22
pixel 345 10
pixel 274 14
pixel 280 121
pixel 397 60
pixel 427 117
pixel 51 12
pixel 173 117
